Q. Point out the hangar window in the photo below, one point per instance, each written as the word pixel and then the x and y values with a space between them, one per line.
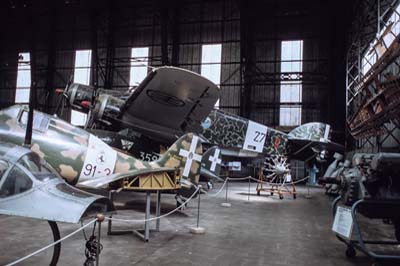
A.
pixel 291 84
pixel 83 60
pixel 211 63
pixel 23 78
pixel 139 65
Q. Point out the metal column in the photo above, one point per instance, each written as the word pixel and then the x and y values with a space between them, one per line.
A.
pixel 158 210
pixel 147 223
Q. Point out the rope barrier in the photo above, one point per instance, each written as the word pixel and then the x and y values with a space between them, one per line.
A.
pixel 220 190
pixel 251 178
pixel 266 182
pixel 52 244
pixel 153 218
pixel 143 220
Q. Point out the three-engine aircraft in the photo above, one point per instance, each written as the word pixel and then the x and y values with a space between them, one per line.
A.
pixel 172 101
pixel 81 158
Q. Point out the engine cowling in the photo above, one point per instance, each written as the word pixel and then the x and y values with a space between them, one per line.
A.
pixel 107 108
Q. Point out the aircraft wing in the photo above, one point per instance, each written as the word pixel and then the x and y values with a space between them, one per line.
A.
pixel 102 181
pixel 170 100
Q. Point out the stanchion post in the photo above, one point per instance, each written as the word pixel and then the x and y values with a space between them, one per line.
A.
pixel 226 203
pixel 198 230
pixel 100 219
pixel 226 191
pixel 198 211
pixel 111 197
pixel 248 193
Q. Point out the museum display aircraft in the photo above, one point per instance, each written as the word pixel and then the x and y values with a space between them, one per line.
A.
pixel 28 183
pixel 82 158
pixel 170 102
pixel 31 188
pixel 149 150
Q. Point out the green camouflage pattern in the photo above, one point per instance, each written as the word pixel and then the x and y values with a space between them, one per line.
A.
pixel 311 131
pixel 65 146
pixel 220 128
pixel 229 131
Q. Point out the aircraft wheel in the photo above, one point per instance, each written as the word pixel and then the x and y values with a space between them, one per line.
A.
pixel 280 196
pixel 272 193
pixel 57 247
pixel 258 193
pixel 294 196
pixel 350 252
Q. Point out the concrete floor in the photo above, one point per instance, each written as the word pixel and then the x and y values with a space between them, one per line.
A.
pixel 261 231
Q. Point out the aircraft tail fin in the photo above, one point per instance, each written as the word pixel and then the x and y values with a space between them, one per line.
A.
pixel 312 139
pixel 185 153
pixel 211 163
pixel 312 132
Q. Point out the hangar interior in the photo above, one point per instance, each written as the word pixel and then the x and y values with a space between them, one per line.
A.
pixel 278 63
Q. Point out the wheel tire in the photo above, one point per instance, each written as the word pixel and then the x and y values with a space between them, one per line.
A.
pixel 350 252
pixel 258 193
pixel 294 196
pixel 272 193
pixel 281 197
pixel 57 247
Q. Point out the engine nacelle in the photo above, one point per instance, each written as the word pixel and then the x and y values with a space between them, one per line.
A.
pixel 78 95
pixel 107 108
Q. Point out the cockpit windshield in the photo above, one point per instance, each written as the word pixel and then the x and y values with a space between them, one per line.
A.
pixel 3 168
pixel 37 167
pixel 15 182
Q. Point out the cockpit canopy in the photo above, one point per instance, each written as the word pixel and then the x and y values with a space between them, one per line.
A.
pixel 30 187
pixel 17 175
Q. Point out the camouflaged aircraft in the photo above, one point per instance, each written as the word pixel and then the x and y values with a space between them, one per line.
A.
pixel 28 183
pixel 149 150
pixel 82 158
pixel 172 101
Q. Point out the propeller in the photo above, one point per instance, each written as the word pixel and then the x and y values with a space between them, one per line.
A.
pixel 276 167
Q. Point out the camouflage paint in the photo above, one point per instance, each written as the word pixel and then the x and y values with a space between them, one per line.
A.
pixel 65 146
pixel 311 131
pixel 229 131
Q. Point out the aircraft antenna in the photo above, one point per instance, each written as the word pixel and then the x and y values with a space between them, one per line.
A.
pixel 32 95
